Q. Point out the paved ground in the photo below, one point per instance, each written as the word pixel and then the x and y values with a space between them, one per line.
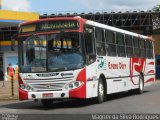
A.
pixel 148 102
pixel 123 103
pixel 6 91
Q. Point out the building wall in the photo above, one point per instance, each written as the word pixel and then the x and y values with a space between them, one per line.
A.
pixel 156 44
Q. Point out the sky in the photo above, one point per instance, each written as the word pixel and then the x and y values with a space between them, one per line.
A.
pixel 52 6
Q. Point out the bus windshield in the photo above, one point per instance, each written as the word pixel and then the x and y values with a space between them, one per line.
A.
pixel 52 52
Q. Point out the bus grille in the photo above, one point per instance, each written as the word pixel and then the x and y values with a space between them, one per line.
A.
pixel 56 84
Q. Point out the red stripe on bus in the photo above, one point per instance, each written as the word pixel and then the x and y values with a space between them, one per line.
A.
pixel 79 92
pixel 151 63
pixel 151 71
pixel 23 95
pixel 150 80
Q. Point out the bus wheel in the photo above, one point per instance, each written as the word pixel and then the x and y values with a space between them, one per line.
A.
pixel 141 84
pixel 47 102
pixel 101 91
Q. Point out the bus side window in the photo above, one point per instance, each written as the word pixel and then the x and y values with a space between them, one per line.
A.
pixel 110 43
pixel 149 49
pixel 129 45
pixel 143 48
pixel 89 40
pixel 120 45
pixel 89 44
pixel 137 50
pixel 100 42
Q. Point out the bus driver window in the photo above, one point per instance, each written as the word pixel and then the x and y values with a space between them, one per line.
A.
pixel 89 44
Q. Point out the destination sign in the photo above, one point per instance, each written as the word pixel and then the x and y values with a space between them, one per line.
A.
pixel 50 25
pixel 59 25
pixel 28 28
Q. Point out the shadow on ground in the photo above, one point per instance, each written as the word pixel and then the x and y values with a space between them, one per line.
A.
pixel 67 103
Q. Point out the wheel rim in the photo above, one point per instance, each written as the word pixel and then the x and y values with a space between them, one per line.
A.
pixel 101 90
pixel 141 84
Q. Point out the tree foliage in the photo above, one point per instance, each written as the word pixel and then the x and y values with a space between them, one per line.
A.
pixel 156 8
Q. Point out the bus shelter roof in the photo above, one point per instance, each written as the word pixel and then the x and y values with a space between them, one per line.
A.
pixel 14 18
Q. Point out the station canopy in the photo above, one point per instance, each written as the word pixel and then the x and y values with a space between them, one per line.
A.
pixel 14 18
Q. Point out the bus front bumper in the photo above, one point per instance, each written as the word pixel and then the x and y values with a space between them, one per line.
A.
pixel 23 95
pixel 79 92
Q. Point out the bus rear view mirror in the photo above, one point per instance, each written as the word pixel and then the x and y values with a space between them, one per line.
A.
pixel 13 41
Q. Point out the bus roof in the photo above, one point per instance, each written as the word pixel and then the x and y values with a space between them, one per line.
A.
pixel 90 23
pixel 50 19
pixel 117 29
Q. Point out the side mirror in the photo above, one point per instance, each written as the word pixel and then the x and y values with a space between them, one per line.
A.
pixel 13 41
pixel 90 59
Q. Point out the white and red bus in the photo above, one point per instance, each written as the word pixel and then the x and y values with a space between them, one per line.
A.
pixel 75 58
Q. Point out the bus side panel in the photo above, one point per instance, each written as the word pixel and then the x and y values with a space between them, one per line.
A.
pixel 118 75
pixel 122 74
pixel 92 89
pixel 149 80
pixel 120 85
pixel 132 85
pixel 149 75
pixel 114 86
pixel 92 80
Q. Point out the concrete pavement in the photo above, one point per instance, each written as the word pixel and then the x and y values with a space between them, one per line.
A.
pixel 120 103
pixel 6 92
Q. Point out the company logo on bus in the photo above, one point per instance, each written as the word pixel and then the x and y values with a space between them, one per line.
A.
pixel 102 63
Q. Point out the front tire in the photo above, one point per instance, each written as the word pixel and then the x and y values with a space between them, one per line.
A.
pixel 101 92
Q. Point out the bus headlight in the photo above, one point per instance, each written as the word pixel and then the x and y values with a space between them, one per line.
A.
pixel 73 85
pixel 22 86
pixel 26 87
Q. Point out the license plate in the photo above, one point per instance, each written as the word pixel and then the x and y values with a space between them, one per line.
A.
pixel 47 95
